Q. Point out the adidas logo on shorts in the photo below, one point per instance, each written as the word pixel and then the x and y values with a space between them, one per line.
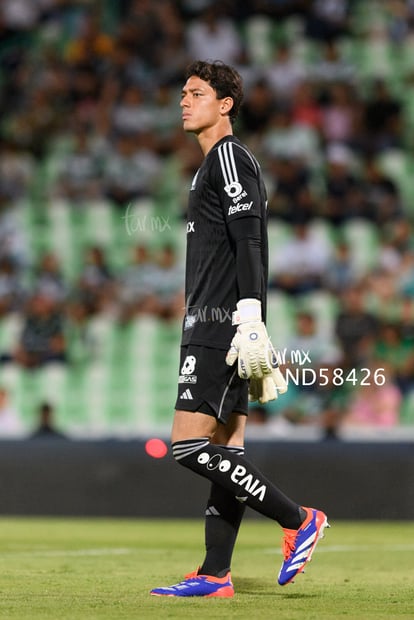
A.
pixel 186 395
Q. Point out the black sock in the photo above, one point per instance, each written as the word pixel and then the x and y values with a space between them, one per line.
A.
pixel 239 477
pixel 224 514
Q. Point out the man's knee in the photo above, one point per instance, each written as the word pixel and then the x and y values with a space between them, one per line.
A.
pixel 192 424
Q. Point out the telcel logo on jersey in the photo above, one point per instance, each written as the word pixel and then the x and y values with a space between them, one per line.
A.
pixel 246 206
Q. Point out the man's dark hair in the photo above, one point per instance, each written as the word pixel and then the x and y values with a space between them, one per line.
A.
pixel 222 78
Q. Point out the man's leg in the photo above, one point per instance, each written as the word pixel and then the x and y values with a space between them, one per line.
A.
pixel 224 512
pixel 192 448
pixel 303 527
pixel 192 437
pixel 221 536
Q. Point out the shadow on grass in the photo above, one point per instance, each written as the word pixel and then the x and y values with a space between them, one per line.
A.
pixel 246 585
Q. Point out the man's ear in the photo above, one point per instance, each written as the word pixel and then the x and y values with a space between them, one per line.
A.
pixel 226 105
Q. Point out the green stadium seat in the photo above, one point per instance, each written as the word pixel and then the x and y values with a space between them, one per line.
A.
pixel 306 51
pixel 52 167
pixel 280 318
pixel 278 233
pixel 97 391
pixel 61 236
pixel 406 53
pixel 407 410
pixel 33 227
pixel 373 58
pixel 324 231
pixel 98 222
pixel 400 168
pixel 73 414
pixel 28 392
pixel 362 17
pixel 362 237
pixel 11 380
pixel 324 306
pixel 258 39
pixel 10 329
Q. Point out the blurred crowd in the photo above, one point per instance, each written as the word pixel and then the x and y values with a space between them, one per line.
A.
pixel 89 114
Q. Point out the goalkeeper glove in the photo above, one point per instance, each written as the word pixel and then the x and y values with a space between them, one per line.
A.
pixel 267 388
pixel 255 353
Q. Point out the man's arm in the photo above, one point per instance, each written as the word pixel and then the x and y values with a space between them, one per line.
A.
pixel 245 234
pixel 251 344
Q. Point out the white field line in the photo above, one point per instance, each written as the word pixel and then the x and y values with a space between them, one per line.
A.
pixel 50 553
pixel 354 548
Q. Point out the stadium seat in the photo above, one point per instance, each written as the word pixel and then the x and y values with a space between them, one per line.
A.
pixel 10 379
pixel 407 409
pixel 61 236
pixel 280 318
pixel 324 231
pixel 10 328
pixel 258 39
pixel 399 166
pixel 278 233
pixel 324 306
pixel 374 58
pixel 363 239
pixel 98 222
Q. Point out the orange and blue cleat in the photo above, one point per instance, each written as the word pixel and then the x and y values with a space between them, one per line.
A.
pixel 199 585
pixel 298 545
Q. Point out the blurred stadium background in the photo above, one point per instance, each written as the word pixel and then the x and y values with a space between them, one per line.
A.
pixel 94 171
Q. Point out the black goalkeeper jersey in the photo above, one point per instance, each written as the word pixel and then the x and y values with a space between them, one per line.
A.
pixel 227 187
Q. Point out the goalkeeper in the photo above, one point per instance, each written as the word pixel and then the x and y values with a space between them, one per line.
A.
pixel 226 352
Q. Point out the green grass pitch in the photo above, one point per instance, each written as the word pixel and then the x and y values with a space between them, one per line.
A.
pixel 69 569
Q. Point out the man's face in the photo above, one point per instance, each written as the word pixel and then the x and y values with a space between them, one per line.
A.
pixel 200 107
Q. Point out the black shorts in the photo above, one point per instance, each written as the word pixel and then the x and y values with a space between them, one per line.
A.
pixel 207 384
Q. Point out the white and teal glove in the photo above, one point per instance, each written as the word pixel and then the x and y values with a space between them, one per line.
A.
pixel 252 347
pixel 267 388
